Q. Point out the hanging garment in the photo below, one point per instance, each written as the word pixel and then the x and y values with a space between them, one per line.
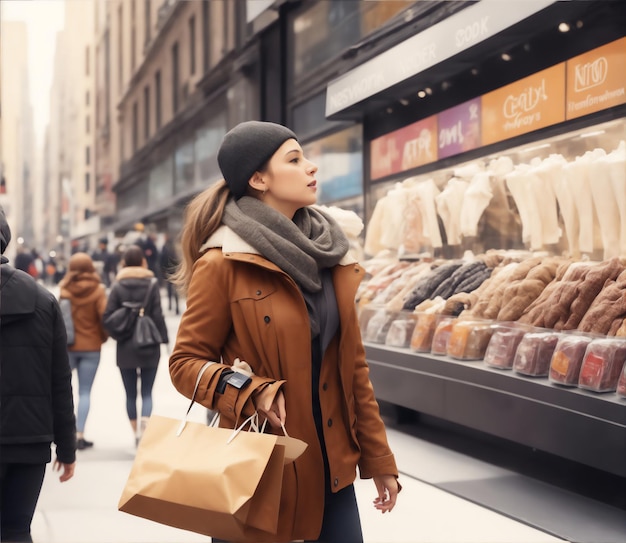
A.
pixel 449 204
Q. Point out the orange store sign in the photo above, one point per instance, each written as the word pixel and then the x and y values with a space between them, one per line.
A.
pixel 529 104
pixel 596 80
pixel 404 149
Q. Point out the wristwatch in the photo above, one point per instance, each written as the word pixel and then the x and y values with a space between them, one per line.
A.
pixel 233 378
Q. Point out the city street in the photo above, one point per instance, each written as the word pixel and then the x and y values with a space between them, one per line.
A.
pixel 84 509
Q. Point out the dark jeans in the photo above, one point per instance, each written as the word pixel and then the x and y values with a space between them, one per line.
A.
pixel 172 293
pixel 129 378
pixel 21 485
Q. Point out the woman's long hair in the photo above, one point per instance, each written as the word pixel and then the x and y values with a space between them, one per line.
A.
pixel 202 217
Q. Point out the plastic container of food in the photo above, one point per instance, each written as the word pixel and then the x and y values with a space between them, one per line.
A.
pixel 401 329
pixel 422 337
pixel 568 358
pixel 602 365
pixel 534 353
pixel 442 335
pixel 469 339
pixel 621 383
pixel 500 352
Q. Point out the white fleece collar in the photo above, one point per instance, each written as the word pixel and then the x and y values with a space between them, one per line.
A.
pixel 230 242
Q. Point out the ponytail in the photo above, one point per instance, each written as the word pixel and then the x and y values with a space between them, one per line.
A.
pixel 202 217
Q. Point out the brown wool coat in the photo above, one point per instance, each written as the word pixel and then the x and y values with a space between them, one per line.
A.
pixel 241 305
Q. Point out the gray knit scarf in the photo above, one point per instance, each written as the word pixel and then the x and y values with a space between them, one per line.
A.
pixel 310 242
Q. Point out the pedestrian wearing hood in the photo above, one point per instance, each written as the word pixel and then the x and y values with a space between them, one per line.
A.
pixel 83 286
pixel 36 401
pixel 137 364
pixel 270 281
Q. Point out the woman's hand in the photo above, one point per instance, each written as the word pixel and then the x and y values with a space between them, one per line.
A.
pixel 388 488
pixel 271 405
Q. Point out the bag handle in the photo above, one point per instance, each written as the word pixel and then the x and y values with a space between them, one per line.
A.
pixel 252 419
pixel 193 397
pixel 147 298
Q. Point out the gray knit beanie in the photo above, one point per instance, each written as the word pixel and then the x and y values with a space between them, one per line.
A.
pixel 245 148
pixel 5 231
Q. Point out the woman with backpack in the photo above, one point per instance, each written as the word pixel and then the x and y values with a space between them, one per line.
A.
pixel 83 287
pixel 135 288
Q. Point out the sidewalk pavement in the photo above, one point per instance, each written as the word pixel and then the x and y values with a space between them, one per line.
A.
pixel 84 509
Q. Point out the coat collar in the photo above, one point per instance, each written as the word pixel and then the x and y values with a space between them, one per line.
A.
pixel 135 272
pixel 226 239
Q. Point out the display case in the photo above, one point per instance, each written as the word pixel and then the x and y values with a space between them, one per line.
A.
pixel 556 208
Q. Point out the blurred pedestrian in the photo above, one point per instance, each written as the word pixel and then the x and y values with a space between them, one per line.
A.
pixel 151 252
pixel 83 287
pixel 35 395
pixel 270 282
pixel 137 364
pixel 169 262
pixel 108 261
pixel 25 262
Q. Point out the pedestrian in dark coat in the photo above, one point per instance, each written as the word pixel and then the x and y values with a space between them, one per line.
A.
pixel 35 395
pixel 137 364
pixel 169 262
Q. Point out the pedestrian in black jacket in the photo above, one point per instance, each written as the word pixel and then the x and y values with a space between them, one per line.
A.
pixel 131 285
pixel 36 401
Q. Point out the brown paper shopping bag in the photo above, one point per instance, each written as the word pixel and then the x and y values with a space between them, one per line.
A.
pixel 215 481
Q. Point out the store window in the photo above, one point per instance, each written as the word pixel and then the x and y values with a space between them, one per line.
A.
pixel 339 158
pixel 184 167
pixel 326 28
pixel 208 140
pixel 160 183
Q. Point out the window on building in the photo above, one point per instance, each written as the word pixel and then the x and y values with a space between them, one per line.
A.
pixel 87 60
pixel 120 46
pixel 157 100
pixel 86 98
pixel 87 184
pixel 87 155
pixel 135 126
pixel 205 37
pixel 146 113
pixel 133 37
pixel 192 45
pixel 175 78
pixel 148 20
pixel 87 127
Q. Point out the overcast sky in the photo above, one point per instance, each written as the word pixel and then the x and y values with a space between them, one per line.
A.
pixel 44 18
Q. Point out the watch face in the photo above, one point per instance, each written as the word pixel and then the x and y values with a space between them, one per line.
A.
pixel 238 380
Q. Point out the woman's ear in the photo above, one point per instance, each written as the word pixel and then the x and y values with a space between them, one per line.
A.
pixel 257 182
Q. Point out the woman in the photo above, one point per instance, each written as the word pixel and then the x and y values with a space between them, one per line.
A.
pixel 131 285
pixel 269 281
pixel 83 287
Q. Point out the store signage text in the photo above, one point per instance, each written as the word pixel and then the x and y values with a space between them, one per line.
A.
pixel 459 128
pixel 441 41
pixel 472 32
pixel 595 80
pixel 590 74
pixel 522 109
pixel 528 104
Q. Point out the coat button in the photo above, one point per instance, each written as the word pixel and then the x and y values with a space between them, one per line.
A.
pixel 258 293
pixel 330 422
pixel 336 482
pixel 267 318
pixel 325 386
